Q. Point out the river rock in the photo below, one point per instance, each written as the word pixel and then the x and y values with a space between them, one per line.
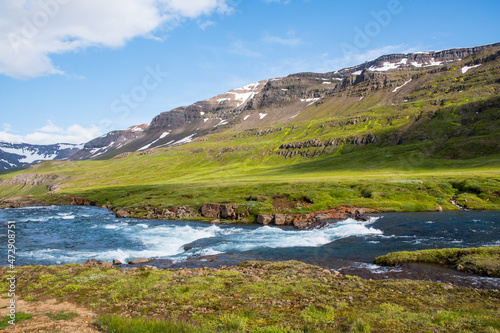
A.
pixel 81 201
pixel 122 213
pixel 93 262
pixel 305 224
pixel 20 202
pixel 138 261
pixel 117 262
pixel 210 210
pixel 265 219
pixel 227 212
pixel 320 217
pixel 106 264
pixel 283 219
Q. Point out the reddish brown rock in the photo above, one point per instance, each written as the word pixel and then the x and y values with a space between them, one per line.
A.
pixel 81 201
pixel 122 213
pixel 93 262
pixel 139 261
pixel 284 219
pixel 210 210
pixel 106 264
pixel 265 219
pixel 227 212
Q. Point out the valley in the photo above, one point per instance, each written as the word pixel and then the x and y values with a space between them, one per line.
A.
pixel 401 133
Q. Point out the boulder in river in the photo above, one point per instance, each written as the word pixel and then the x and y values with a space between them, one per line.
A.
pixel 283 219
pixel 93 262
pixel 265 219
pixel 106 264
pixel 139 261
pixel 122 213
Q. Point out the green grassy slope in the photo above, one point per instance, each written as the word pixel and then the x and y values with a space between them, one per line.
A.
pixel 411 150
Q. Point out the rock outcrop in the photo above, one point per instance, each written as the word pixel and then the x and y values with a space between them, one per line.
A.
pixel 314 219
pixel 20 202
pixel 224 211
pixel 122 213
pixel 81 201
pixel 139 261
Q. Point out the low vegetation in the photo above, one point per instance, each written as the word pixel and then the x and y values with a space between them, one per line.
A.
pixel 62 315
pixel 480 260
pixel 260 297
pixel 20 316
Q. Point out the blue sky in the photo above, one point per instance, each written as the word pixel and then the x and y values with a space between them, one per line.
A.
pixel 71 70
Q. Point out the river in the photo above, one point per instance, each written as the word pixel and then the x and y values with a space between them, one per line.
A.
pixel 73 234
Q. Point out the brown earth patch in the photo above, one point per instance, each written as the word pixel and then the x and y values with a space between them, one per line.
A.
pixel 282 204
pixel 40 322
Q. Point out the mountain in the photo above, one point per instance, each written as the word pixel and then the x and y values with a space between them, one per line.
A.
pixel 266 103
pixel 403 132
pixel 19 154
pixel 175 127
pixel 109 142
pixel 284 100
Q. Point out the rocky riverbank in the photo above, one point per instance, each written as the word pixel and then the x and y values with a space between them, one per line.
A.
pixel 21 202
pixel 216 212
pixel 212 212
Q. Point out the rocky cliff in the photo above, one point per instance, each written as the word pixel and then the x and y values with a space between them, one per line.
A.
pixel 281 100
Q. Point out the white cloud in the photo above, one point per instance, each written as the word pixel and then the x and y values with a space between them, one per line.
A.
pixel 33 30
pixel 205 24
pixel 50 134
pixel 51 128
pixel 290 40
pixel 195 8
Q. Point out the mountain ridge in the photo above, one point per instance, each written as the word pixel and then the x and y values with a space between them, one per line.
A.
pixel 183 124
pixel 266 103
pixel 13 155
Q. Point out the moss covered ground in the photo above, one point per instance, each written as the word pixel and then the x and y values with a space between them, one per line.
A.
pixel 260 297
pixel 480 260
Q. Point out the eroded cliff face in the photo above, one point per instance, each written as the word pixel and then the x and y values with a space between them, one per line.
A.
pixel 271 101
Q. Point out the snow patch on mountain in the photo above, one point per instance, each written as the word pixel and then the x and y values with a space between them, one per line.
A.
pixel 401 86
pixel 162 136
pixel 19 154
pixel 389 65
pixel 466 68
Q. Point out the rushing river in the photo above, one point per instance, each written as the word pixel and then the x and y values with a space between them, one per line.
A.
pixel 73 234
